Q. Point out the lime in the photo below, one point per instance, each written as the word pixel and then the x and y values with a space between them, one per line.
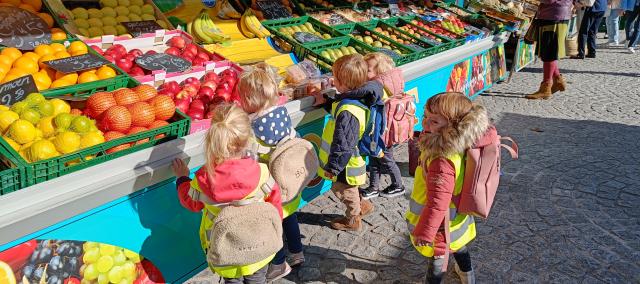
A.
pixel 19 107
pixel 22 131
pixel 81 124
pixel 34 99
pixel 30 115
pixel 63 121
pixel 45 108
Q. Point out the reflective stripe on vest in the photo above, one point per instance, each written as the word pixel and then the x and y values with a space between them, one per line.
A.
pixel 355 170
pixel 210 212
pixel 461 227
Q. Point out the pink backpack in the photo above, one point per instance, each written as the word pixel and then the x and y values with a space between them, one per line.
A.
pixel 400 113
pixel 481 177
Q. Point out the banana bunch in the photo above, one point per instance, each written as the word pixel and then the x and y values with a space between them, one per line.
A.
pixel 251 27
pixel 204 30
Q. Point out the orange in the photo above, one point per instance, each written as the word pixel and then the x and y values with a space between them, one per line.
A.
pixel 42 80
pixel 37 4
pixel 62 54
pixel 91 70
pixel 10 77
pixel 27 64
pixel 58 34
pixel 34 56
pixel 71 78
pixel 6 59
pixel 2 77
pixel 77 46
pixel 28 8
pixel 87 77
pixel 6 274
pixel 60 83
pixel 105 72
pixel 57 47
pixel 76 53
pixel 12 52
pixel 19 72
pixel 4 69
pixel 46 18
pixel 44 58
pixel 43 50
pixel 50 72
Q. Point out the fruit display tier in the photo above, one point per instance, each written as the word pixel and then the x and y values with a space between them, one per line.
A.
pixel 50 139
pixel 423 47
pixel 290 30
pixel 415 28
pixel 53 83
pixel 326 52
pixel 12 176
pixel 319 5
pixel 400 53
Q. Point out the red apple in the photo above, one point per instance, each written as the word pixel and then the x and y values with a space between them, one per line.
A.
pixel 211 76
pixel 183 104
pixel 229 72
pixel 130 57
pixel 197 105
pixel 211 84
pixel 150 52
pixel 166 92
pixel 199 61
pixel 177 42
pixel 136 71
pixel 172 51
pixel 97 49
pixel 187 59
pixel 135 52
pixel 209 114
pixel 203 55
pixel 193 81
pixel 196 114
pixel 172 87
pixel 207 92
pixel 110 58
pixel 119 48
pixel 230 80
pixel 192 48
pixel 124 64
pixel 187 92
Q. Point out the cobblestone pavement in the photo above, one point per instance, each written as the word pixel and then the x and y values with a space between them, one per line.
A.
pixel 567 211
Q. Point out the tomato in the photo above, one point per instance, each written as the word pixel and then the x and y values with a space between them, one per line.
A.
pixel 72 280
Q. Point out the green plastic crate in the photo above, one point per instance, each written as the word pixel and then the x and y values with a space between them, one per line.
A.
pixel 408 54
pixel 445 42
pixel 428 48
pixel 275 25
pixel 313 51
pixel 49 169
pixel 347 28
pixel 453 42
pixel 309 6
pixel 12 175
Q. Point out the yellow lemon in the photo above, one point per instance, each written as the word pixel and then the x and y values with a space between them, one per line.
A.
pixel 46 57
pixel 60 106
pixel 6 274
pixel 32 55
pixel 87 77
pixel 3 107
pixel 67 142
pixel 62 54
pixel 105 72
pixel 91 139
pixel 12 52
pixel 43 50
pixel 42 150
pixel 77 46
pixel 22 131
pixel 12 143
pixel 46 126
pixel 6 59
pixel 57 47
pixel 7 117
pixel 27 64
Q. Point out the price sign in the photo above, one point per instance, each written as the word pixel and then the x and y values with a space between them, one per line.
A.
pixel 15 90
pixel 273 9
pixel 22 29
pixel 77 63
pixel 141 27
pixel 304 37
pixel 163 61
pixel 389 52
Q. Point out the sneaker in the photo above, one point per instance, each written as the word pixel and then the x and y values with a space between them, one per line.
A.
pixel 276 272
pixel 368 193
pixel 296 259
pixel 631 50
pixel 392 191
pixel 590 55
pixel 614 44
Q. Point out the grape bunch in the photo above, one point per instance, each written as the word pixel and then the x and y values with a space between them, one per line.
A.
pixel 104 263
pixel 56 261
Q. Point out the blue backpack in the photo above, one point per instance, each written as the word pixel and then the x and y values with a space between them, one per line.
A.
pixel 372 143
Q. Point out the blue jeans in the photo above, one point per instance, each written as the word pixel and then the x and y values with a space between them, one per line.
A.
pixel 613 25
pixel 632 27
pixel 384 165
pixel 291 231
pixel 588 31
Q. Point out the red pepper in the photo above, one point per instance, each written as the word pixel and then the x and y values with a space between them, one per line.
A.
pixel 17 256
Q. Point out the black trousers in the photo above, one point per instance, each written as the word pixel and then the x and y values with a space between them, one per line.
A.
pixel 588 31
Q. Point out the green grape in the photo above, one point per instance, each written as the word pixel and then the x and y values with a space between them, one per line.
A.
pixel 91 255
pixel 132 256
pixel 106 249
pixel 90 272
pixel 125 281
pixel 89 245
pixel 103 278
pixel 104 263
pixel 85 281
pixel 129 269
pixel 115 274
pixel 119 258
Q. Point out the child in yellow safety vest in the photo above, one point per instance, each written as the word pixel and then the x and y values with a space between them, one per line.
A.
pixel 271 123
pixel 228 176
pixel 451 124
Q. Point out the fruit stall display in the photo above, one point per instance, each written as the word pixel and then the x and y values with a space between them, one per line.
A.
pixel 400 53
pixel 297 31
pixel 313 5
pixel 124 51
pixel 106 17
pixel 15 63
pixel 326 52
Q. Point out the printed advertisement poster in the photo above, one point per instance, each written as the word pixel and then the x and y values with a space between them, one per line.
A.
pixel 498 64
pixel 526 54
pixel 459 78
pixel 478 73
pixel 74 262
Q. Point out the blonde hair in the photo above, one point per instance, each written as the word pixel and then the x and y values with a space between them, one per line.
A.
pixel 258 88
pixel 351 71
pixel 228 136
pixel 453 106
pixel 382 62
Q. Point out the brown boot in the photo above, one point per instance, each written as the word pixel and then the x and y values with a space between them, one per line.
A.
pixel 543 93
pixel 366 207
pixel 559 84
pixel 347 224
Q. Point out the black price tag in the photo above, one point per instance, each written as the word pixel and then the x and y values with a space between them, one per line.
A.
pixel 273 9
pixel 77 63
pixel 22 29
pixel 142 27
pixel 305 37
pixel 16 90
pixel 389 52
pixel 162 61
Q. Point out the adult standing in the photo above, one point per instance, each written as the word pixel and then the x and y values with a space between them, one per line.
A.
pixel 589 29
pixel 632 27
pixel 552 27
pixel 613 21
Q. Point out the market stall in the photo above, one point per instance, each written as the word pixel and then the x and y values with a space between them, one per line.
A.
pixel 62 214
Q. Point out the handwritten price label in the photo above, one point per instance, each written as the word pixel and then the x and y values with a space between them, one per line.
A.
pixel 15 90
pixel 273 9
pixel 21 29
pixel 77 63
pixel 161 61
pixel 141 27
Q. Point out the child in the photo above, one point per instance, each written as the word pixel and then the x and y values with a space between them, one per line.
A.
pixel 381 69
pixel 451 124
pixel 340 160
pixel 271 123
pixel 227 176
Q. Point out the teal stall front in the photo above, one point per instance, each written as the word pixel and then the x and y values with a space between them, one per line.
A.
pixel 122 219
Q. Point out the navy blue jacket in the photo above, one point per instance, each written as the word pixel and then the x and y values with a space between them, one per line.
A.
pixel 345 135
pixel 599 6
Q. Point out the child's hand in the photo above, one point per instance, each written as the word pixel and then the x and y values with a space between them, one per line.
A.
pixel 422 243
pixel 180 168
pixel 319 98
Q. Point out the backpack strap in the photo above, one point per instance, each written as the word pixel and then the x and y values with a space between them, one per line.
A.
pixel 265 190
pixel 513 149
